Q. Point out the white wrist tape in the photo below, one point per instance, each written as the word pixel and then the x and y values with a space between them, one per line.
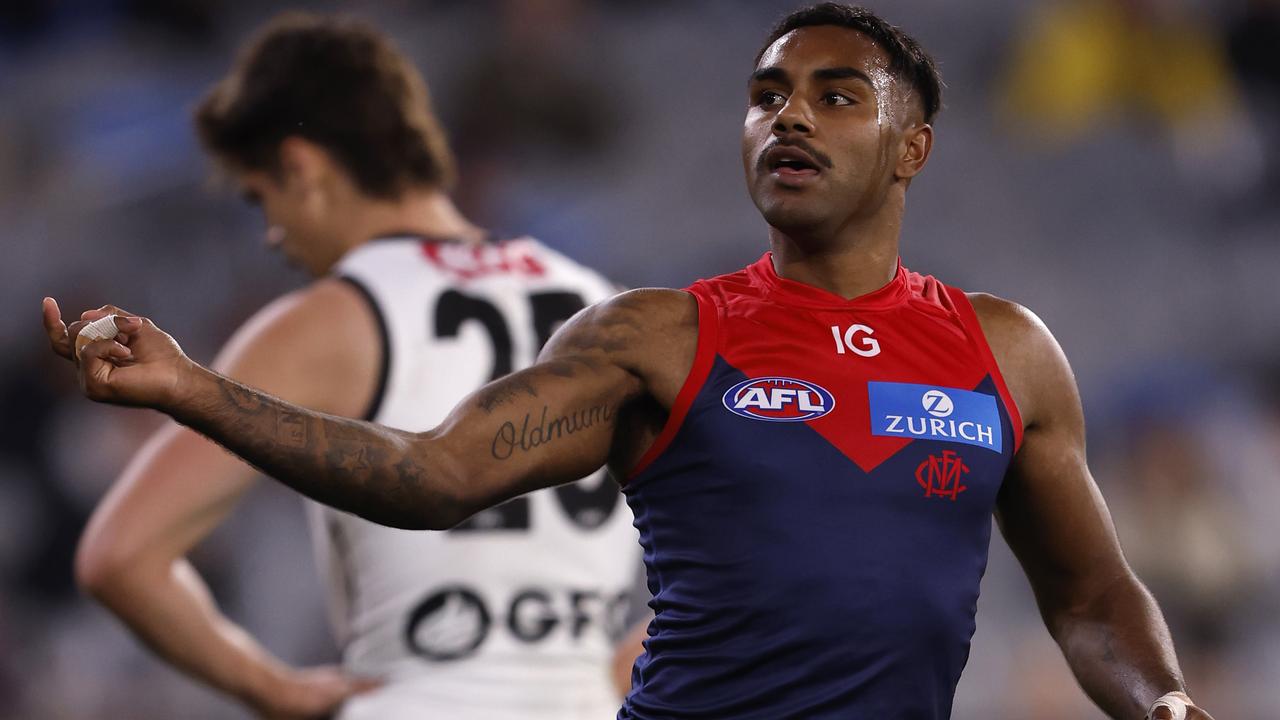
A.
pixel 1173 702
pixel 100 329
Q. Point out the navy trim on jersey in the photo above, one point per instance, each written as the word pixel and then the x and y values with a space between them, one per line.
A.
pixel 384 371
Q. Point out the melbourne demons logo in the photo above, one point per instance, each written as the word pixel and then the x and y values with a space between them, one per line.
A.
pixel 778 399
pixel 940 476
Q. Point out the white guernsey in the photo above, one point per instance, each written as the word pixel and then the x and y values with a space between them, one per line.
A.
pixel 514 613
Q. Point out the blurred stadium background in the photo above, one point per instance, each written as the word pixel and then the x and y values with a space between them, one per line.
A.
pixel 1112 164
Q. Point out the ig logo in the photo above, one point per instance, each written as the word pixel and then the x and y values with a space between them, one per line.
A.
pixel 937 403
pixel 857 339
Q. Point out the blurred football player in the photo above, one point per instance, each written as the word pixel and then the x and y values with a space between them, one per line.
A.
pixel 328 128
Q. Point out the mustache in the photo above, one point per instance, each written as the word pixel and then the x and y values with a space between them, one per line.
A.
pixel 821 157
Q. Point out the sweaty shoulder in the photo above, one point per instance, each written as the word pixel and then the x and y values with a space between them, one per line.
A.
pixel 650 332
pixel 1033 364
pixel 319 347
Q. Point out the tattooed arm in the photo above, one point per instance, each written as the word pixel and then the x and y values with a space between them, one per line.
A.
pixel 1054 518
pixel 549 424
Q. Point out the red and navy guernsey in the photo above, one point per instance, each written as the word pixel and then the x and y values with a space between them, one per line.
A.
pixel 816 513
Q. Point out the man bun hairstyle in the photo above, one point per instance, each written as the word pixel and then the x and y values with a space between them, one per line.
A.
pixel 338 83
pixel 908 61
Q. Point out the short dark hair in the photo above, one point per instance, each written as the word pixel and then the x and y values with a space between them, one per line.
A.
pixel 339 83
pixel 908 61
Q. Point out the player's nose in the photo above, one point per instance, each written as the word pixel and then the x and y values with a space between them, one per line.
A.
pixel 794 117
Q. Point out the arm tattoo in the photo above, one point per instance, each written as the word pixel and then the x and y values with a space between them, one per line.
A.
pixel 507 440
pixel 514 387
pixel 1109 646
pixel 243 398
pixel 291 429
pixel 340 462
pixel 501 394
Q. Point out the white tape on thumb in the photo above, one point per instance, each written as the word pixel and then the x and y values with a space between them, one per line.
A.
pixel 1176 705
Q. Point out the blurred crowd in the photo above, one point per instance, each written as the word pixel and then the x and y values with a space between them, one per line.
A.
pixel 1112 164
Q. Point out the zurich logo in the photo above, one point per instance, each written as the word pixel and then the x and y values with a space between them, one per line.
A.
pixel 778 399
pixel 937 403
pixel 929 412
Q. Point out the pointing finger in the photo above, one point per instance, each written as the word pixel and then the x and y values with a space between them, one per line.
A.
pixel 50 311
pixel 56 330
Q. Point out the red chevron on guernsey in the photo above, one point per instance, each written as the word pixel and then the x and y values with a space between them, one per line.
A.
pixel 778 399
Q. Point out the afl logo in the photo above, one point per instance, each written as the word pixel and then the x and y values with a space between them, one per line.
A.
pixel 778 399
pixel 937 403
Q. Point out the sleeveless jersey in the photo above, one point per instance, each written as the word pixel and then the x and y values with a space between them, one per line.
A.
pixel 513 613
pixel 816 513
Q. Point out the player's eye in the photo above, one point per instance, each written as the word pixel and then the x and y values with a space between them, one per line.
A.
pixel 769 98
pixel 252 198
pixel 835 98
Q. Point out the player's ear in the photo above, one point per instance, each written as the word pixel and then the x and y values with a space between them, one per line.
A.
pixel 917 143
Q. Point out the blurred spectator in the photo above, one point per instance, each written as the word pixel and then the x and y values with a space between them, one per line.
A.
pixel 1079 63
pixel 1184 522
pixel 1253 38
pixel 531 99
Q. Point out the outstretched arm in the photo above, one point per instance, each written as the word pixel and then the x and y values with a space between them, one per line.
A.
pixel 543 426
pixel 1054 518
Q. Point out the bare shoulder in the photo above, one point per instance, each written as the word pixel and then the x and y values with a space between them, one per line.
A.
pixel 649 309
pixel 1006 322
pixel 319 346
pixel 303 318
pixel 1033 364
pixel 652 333
pixel 622 324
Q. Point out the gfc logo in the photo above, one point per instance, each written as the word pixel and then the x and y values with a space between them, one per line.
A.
pixel 454 622
pixel 778 399
pixel 449 625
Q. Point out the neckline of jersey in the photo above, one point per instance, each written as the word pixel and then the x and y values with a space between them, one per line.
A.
pixel 795 293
